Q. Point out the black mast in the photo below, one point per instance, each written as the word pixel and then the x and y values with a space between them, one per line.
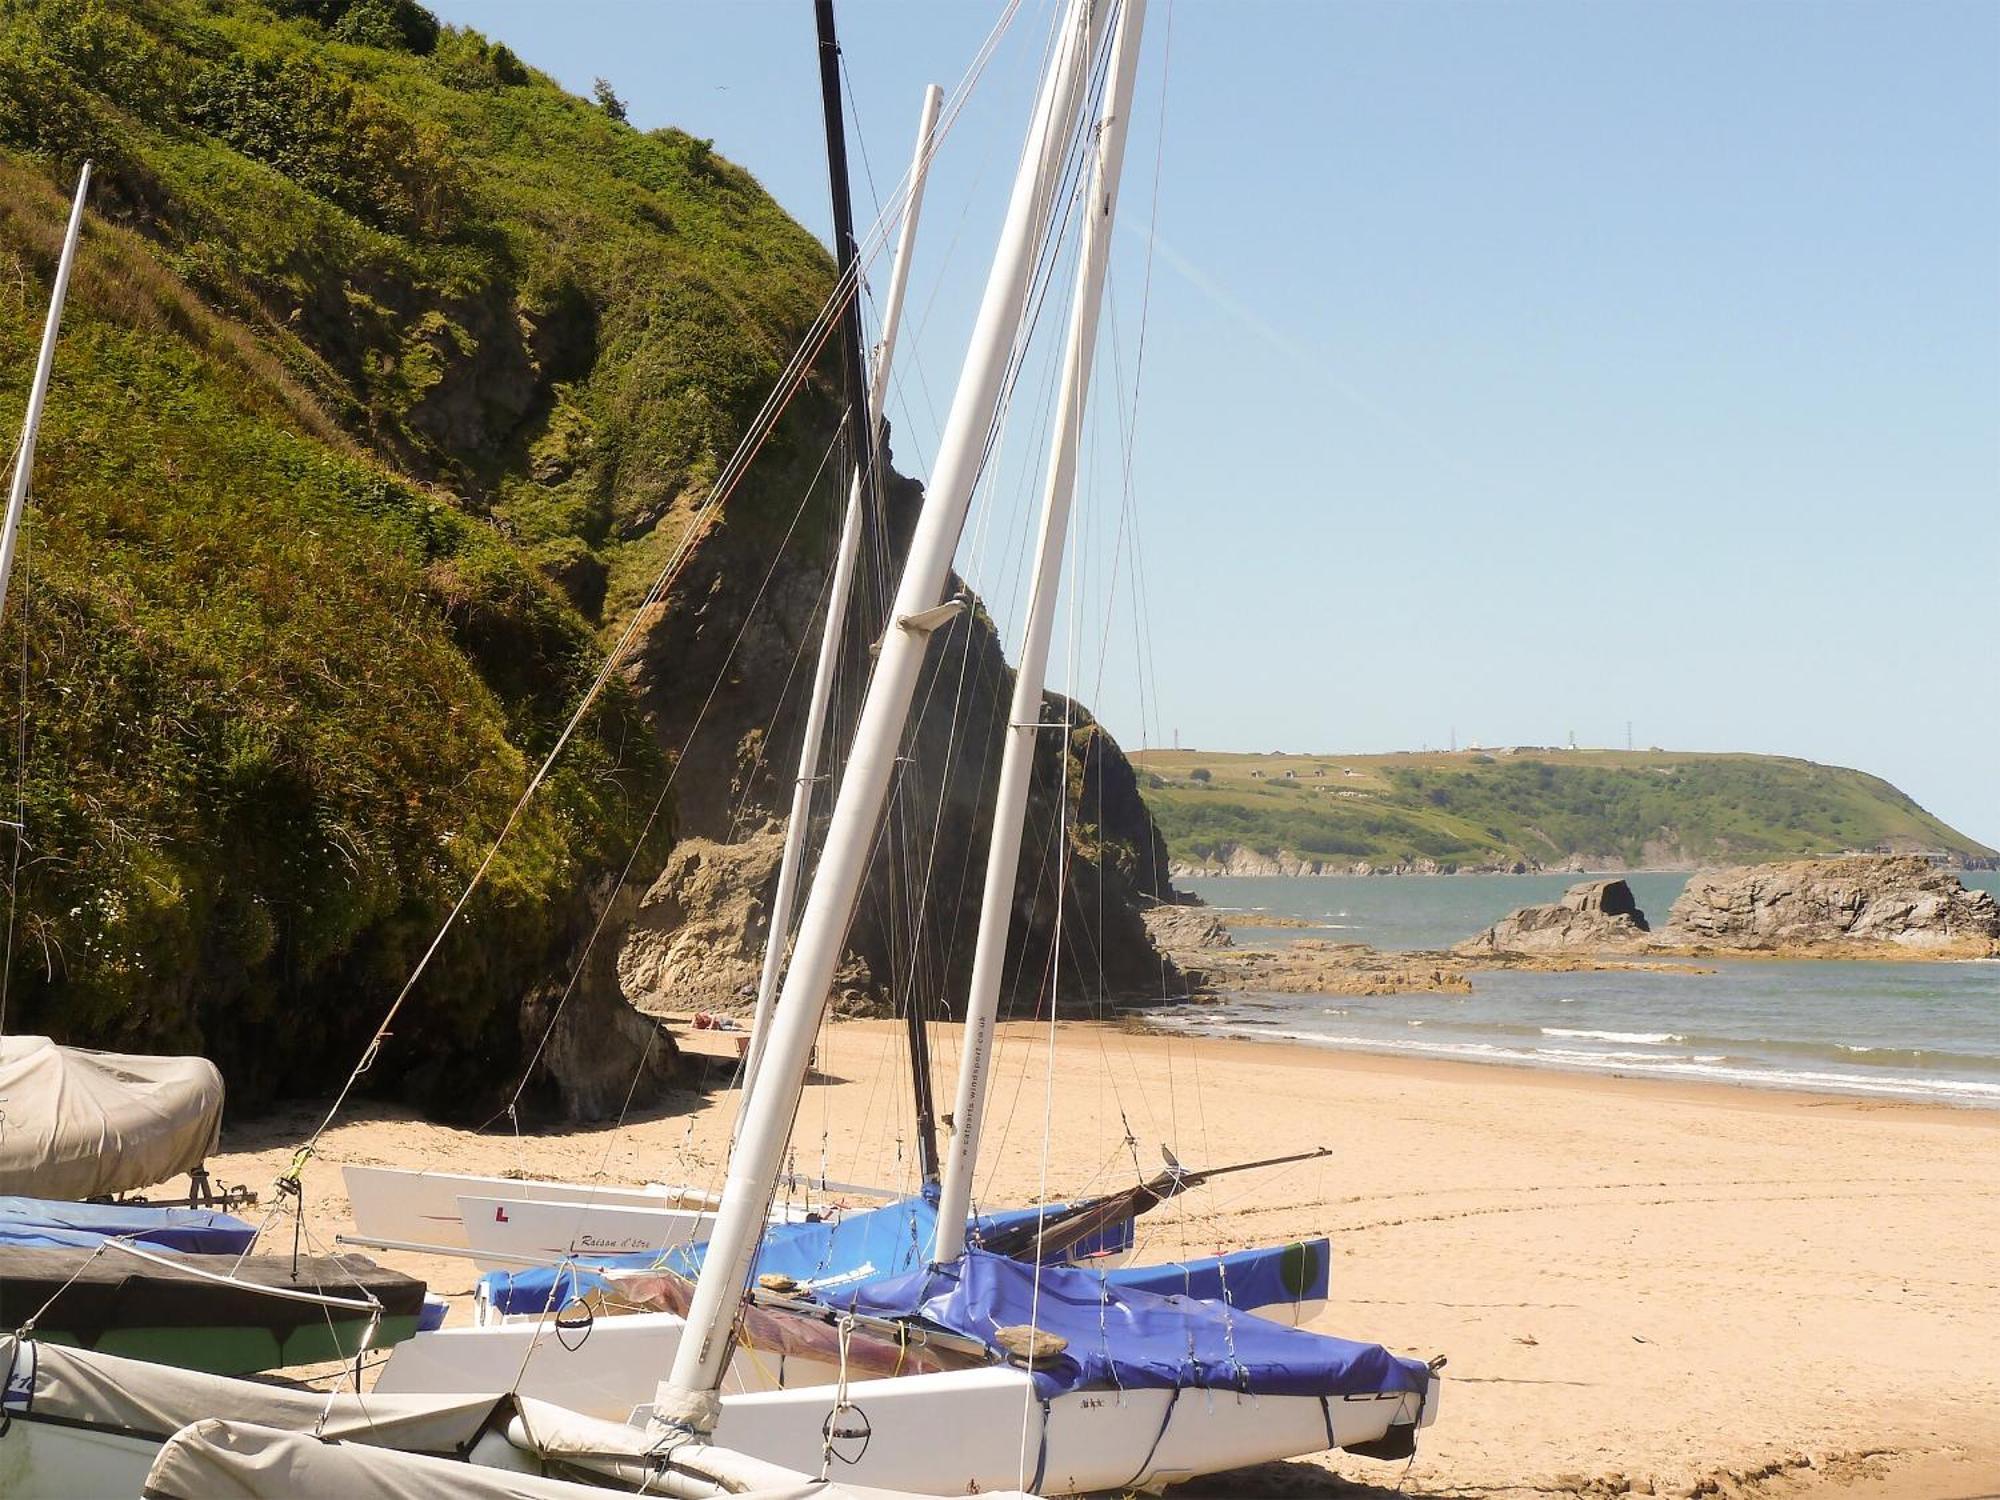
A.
pixel 861 455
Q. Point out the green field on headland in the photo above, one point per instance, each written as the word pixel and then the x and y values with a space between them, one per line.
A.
pixel 1534 807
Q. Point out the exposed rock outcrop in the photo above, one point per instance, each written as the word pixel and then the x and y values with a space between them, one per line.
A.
pixel 1594 917
pixel 1199 942
pixel 1313 966
pixel 698 935
pixel 594 1055
pixel 1833 905
pixel 1187 929
pixel 697 940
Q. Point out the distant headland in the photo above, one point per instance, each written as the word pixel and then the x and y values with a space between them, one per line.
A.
pixel 1523 808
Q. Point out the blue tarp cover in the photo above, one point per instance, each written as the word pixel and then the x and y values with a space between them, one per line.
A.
pixel 1130 1338
pixel 886 1241
pixel 1246 1278
pixel 49 1224
pixel 896 1239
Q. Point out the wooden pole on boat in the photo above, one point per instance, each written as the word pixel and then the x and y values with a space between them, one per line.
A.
pixel 24 458
pixel 791 866
pixel 1010 803
pixel 687 1399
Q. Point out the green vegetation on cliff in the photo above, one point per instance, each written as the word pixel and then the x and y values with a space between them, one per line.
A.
pixel 1543 807
pixel 390 371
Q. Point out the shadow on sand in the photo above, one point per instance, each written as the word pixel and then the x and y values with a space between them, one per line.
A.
pixel 1303 1480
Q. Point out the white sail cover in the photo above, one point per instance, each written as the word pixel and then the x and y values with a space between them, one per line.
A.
pixel 218 1459
pixel 78 1124
pixel 110 1394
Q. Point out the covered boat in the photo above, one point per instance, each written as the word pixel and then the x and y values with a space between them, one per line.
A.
pixel 81 1124
pixel 1288 1282
pixel 51 1224
pixel 78 1426
pixel 75 1423
pixel 1093 1334
pixel 223 1314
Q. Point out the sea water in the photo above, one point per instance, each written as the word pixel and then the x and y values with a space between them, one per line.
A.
pixel 1916 1031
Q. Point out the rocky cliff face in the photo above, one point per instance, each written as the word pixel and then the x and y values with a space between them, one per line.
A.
pixel 1857 902
pixel 392 374
pixel 1595 916
pixel 697 939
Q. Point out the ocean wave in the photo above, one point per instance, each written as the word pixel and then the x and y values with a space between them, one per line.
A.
pixel 1578 1054
pixel 1645 1038
pixel 1700 1067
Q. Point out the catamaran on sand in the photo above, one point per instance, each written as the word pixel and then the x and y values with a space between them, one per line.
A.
pixel 966 1370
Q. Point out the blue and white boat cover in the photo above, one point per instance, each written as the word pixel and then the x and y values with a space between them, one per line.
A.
pixel 887 1241
pixel 897 1239
pixel 1269 1276
pixel 1120 1338
pixel 51 1224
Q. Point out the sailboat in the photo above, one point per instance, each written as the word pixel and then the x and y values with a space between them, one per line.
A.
pixel 1042 1376
pixel 76 1123
pixel 790 1353
pixel 170 1283
pixel 1099 1405
pixel 506 1225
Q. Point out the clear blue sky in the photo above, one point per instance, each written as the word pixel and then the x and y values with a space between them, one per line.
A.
pixel 1511 369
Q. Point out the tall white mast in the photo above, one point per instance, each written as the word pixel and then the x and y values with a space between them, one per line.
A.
pixel 1003 856
pixel 790 867
pixel 687 1398
pixel 24 460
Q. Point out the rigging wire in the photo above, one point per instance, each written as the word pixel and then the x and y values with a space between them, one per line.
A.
pixel 666 790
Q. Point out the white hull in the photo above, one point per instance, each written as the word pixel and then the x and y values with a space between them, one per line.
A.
pixel 216 1457
pixel 1003 1437
pixel 612 1369
pixel 608 1374
pixel 1094 1439
pixel 43 1460
pixel 391 1203
pixel 504 1232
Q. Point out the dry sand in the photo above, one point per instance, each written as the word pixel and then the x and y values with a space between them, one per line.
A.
pixel 1676 1287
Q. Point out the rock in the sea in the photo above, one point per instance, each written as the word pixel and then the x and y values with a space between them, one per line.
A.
pixel 1187 929
pixel 1590 918
pixel 1857 901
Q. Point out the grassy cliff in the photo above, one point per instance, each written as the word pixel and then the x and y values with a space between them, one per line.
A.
pixel 390 371
pixel 1534 807
pixel 390 376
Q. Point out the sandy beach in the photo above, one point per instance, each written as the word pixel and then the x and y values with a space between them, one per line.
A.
pixel 1664 1287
